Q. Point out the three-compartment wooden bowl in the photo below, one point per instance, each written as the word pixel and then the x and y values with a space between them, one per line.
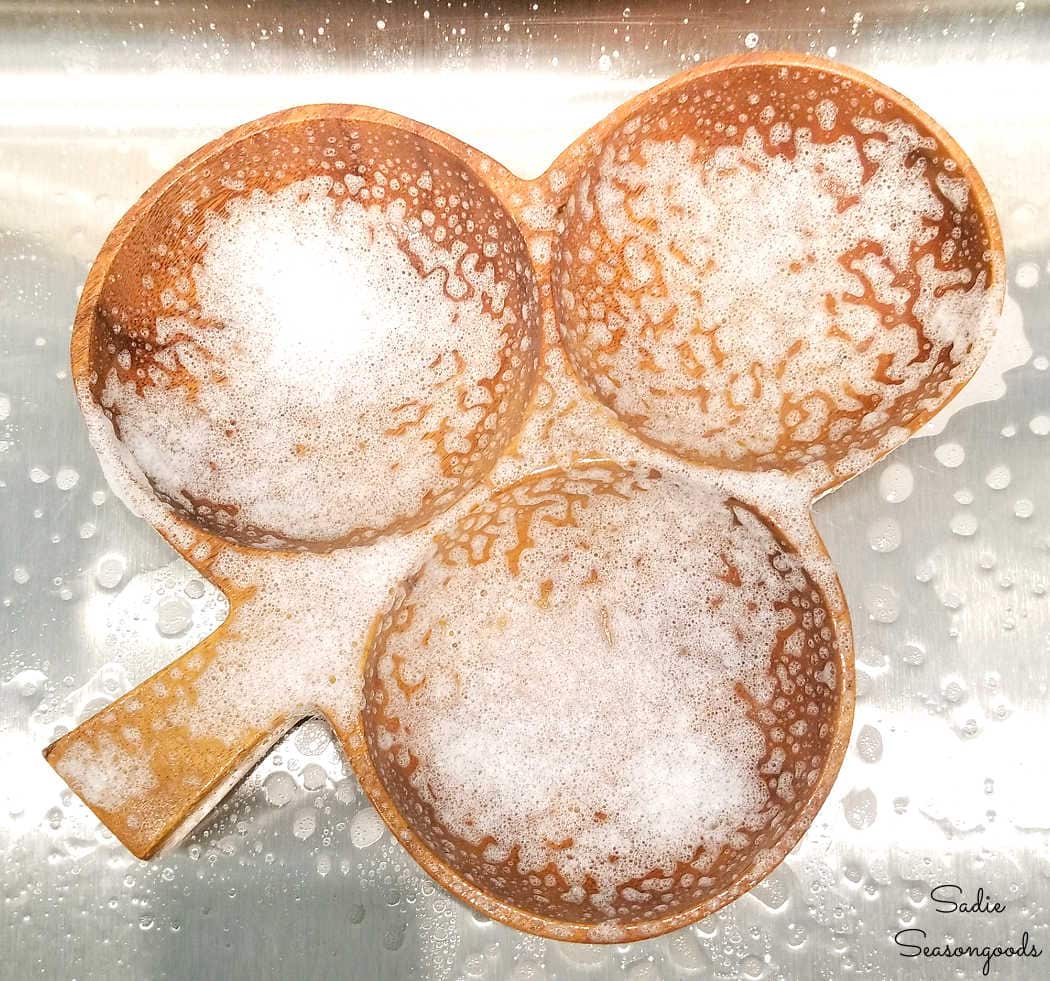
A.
pixel 610 393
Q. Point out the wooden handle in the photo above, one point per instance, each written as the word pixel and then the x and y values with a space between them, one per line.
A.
pixel 150 766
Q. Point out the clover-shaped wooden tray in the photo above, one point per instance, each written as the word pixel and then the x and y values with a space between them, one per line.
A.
pixel 553 498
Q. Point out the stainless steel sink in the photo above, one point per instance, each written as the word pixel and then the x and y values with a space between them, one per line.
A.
pixel 944 550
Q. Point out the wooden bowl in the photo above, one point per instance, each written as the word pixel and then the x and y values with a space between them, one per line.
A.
pixel 774 262
pixel 605 701
pixel 586 319
pixel 404 368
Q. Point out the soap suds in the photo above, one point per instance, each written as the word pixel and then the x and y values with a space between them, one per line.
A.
pixel 105 774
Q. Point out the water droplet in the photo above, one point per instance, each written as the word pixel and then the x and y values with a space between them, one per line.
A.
pixel 366 828
pixel 1027 275
pixel 174 616
pixel 860 808
pixel 964 523
pixel 950 455
pixel 881 602
pixel 109 573
pixel 394 938
pixel 314 776
pixel 38 475
pixel 752 968
pixel 1040 425
pixel 896 483
pixel 1023 507
pixel 98 497
pixel 305 824
pixel 346 792
pixel 312 738
pixel 279 788
pixel 773 892
pixel 884 535
pixel 953 688
pixel 998 478
pixel 194 589
pixel 685 953
pixel 925 570
pixel 913 654
pixel 20 574
pixel 869 744
pixel 604 63
pixel 66 478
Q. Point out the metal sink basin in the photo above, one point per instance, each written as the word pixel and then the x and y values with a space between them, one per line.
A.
pixel 943 549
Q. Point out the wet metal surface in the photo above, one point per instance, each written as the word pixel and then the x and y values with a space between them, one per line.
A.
pixel 943 550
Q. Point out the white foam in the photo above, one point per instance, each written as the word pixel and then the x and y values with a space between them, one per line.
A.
pixel 1010 348
pixel 295 641
pixel 105 774
pixel 714 298
pixel 577 655
pixel 336 349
